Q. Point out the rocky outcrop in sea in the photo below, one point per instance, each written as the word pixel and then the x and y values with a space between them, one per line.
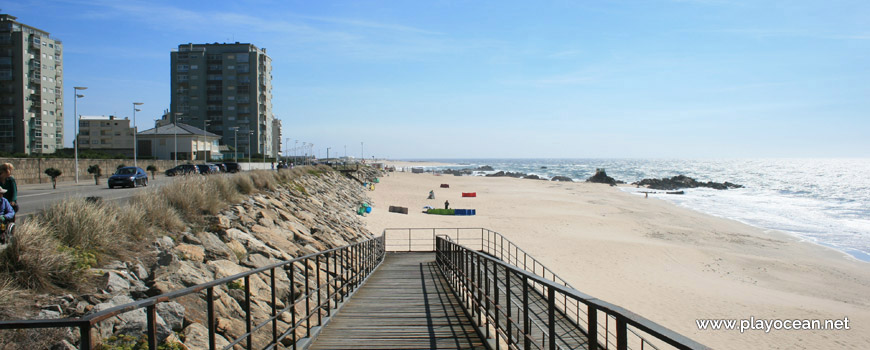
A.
pixel 602 178
pixel 682 181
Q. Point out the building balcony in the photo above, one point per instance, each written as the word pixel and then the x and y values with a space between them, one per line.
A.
pixel 36 80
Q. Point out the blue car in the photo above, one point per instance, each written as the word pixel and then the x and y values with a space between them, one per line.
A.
pixel 130 176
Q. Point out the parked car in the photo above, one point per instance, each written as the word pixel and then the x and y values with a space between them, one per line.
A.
pixel 204 169
pixel 214 169
pixel 232 167
pixel 184 169
pixel 222 167
pixel 130 176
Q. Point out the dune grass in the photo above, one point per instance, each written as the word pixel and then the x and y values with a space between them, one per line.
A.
pixel 54 248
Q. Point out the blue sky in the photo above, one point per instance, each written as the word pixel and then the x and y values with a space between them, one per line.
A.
pixel 511 79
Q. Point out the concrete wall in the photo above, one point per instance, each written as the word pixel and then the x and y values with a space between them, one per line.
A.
pixel 32 170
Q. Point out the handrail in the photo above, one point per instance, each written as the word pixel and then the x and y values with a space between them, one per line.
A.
pixel 351 266
pixel 460 264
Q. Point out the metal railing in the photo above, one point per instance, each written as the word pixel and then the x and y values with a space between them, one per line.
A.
pixel 495 245
pixel 327 278
pixel 506 301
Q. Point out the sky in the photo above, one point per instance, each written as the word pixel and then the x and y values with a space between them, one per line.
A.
pixel 502 79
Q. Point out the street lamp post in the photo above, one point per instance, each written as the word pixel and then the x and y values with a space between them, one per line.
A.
pixel 135 131
pixel 76 112
pixel 177 115
pixel 361 153
pixel 249 145
pixel 204 141
pixel 235 130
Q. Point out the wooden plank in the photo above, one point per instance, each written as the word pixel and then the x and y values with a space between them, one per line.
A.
pixel 406 304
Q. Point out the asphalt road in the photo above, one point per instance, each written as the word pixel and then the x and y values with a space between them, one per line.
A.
pixel 35 197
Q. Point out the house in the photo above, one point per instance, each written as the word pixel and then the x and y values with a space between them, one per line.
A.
pixel 188 142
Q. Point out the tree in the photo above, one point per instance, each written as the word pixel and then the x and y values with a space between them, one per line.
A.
pixel 53 174
pixel 152 168
pixel 97 172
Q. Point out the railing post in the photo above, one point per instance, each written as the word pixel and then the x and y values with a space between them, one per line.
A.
pixel 486 293
pixel 507 296
pixel 85 342
pixel 274 308
pixel 210 301
pixel 319 300
pixel 592 326
pixel 343 279
pixel 551 315
pixel 527 325
pixel 409 240
pixel 152 327
pixel 621 333
pixel 496 304
pixel 307 302
pixel 479 290
pixel 501 248
pixel 293 300
pixel 250 340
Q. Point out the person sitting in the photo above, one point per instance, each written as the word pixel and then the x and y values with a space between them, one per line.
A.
pixel 432 194
pixel 7 182
pixel 7 216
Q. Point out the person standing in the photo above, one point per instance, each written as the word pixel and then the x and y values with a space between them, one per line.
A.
pixel 7 182
pixel 446 204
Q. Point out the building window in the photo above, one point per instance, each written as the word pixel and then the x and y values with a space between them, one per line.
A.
pixel 193 66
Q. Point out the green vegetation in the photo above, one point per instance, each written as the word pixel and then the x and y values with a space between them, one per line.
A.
pixel 96 171
pixel 54 249
pixel 153 169
pixel 236 285
pixel 53 174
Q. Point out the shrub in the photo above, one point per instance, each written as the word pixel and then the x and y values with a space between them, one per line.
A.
pixel 9 297
pixel 153 169
pixel 157 211
pixel 34 259
pixel 77 222
pixel 244 184
pixel 96 171
pixel 53 174
pixel 263 180
pixel 192 197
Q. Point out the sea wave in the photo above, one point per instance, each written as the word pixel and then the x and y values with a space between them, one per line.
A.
pixel 826 201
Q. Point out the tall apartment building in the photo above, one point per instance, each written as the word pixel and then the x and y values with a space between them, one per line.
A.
pixel 31 89
pixel 222 86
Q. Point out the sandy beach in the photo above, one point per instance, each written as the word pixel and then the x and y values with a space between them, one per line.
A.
pixel 667 263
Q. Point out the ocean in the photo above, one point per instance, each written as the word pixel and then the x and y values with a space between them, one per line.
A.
pixel 824 201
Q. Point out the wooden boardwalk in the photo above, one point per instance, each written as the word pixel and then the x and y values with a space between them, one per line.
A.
pixel 406 304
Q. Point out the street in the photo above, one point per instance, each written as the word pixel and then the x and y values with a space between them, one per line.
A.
pixel 35 197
